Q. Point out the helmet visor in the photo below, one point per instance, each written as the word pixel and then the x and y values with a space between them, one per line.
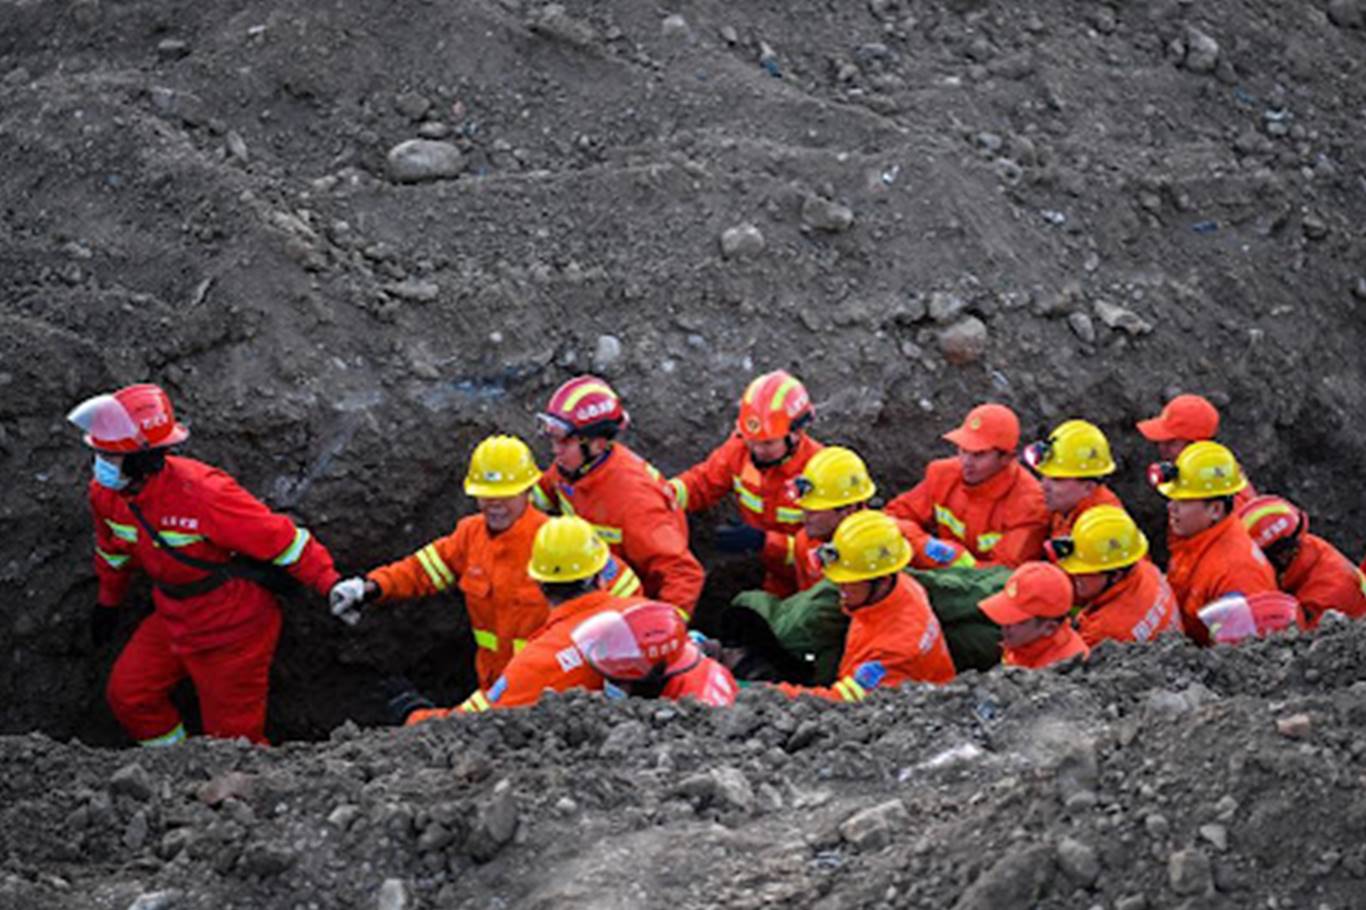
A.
pixel 1229 619
pixel 554 427
pixel 106 424
pixel 607 643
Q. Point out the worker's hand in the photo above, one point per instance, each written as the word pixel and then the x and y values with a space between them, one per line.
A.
pixel 346 598
pixel 401 699
pixel 739 538
pixel 104 621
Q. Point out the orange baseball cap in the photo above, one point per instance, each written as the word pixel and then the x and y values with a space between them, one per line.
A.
pixel 1185 417
pixel 1036 590
pixel 987 427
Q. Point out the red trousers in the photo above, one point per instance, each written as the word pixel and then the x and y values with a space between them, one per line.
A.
pixel 231 682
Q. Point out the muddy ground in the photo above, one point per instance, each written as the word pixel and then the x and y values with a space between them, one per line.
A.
pixel 1078 208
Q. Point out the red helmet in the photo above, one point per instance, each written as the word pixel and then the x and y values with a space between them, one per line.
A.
pixel 774 405
pixel 1232 618
pixel 1272 519
pixel 584 406
pixel 133 419
pixel 648 639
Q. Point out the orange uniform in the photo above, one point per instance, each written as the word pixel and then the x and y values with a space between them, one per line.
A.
pixel 1002 521
pixel 809 572
pixel 1137 608
pixel 505 606
pixel 1064 644
pixel 889 642
pixel 765 497
pixel 1060 525
pixel 1217 561
pixel 1322 579
pixel 623 497
pixel 708 681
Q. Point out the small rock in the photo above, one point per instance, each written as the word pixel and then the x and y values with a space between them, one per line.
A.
pixel 1296 726
pixel 991 143
pixel 1202 51
pixel 131 780
pixel 434 129
pixel 1157 825
pixel 964 342
pixel 135 834
pixel 414 290
pixel 156 900
pixel 807 732
pixel 236 146
pixel 172 49
pixel 872 828
pixel 1132 902
pixel 1347 13
pixel 266 860
pixel 412 105
pixel 393 895
pixel 1226 808
pixel 607 353
pixel 343 816
pixel 1078 861
pixel 744 241
pixel 496 824
pixel 233 785
pixel 1217 835
pixel 1117 317
pixel 1189 872
pixel 1359 289
pixel 945 307
pixel 1315 228
pixel 553 21
pixel 674 27
pixel 1016 881
pixel 419 160
pixel 1081 326
pixel 173 841
pixel 823 214
pixel 1081 801
pixel 737 722
pixel 628 737
pixel 724 787
pixel 729 34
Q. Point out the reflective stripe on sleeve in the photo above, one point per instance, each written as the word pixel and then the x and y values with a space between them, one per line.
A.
pixel 627 583
pixel 965 561
pixel 986 541
pixel 951 521
pixel 177 539
pixel 435 567
pixel 121 531
pixel 486 639
pixel 850 690
pixel 608 533
pixel 290 555
pixel 518 644
pixel 791 557
pixel 115 560
pixel 788 515
pixel 540 500
pixel 475 703
pixel 747 497
pixel 176 735
pixel 680 493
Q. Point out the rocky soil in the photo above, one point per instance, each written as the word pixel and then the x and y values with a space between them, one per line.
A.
pixel 352 239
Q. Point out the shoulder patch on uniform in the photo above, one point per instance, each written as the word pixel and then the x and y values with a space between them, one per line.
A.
pixel 569 658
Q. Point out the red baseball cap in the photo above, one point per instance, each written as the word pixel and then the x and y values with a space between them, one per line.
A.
pixel 987 427
pixel 1036 590
pixel 1185 417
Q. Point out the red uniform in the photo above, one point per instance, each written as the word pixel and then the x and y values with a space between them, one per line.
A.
pixel 1322 579
pixel 1064 644
pixel 551 660
pixel 201 512
pixel 889 642
pixel 1002 521
pixel 623 497
pixel 1137 608
pixel 708 681
pixel 505 606
pixel 1060 525
pixel 765 498
pixel 1217 561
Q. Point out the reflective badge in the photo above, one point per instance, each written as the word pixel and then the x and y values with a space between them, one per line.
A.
pixel 870 674
pixel 569 658
pixel 497 689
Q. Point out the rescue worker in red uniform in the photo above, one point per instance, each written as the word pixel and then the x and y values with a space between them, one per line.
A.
pixel 485 556
pixel 645 652
pixel 1123 596
pixel 209 547
pixel 1319 576
pixel 1211 552
pixel 1032 613
pixel 620 494
pixel 1184 420
pixel 757 463
pixel 1070 464
pixel 567 559
pixel 983 498
pixel 893 636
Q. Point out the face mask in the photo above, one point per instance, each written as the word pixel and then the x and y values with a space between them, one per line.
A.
pixel 108 474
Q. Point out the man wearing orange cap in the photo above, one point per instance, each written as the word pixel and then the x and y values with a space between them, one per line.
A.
pixel 1032 613
pixel 1184 420
pixel 1211 552
pixel 983 497
pixel 1307 566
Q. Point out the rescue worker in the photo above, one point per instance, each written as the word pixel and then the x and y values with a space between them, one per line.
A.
pixel 1123 596
pixel 620 494
pixel 213 552
pixel 1319 576
pixel 1032 613
pixel 1184 420
pixel 485 556
pixel 983 498
pixel 893 635
pixel 1071 463
pixel 1211 552
pixel 567 560
pixel 645 652
pixel 1233 618
pixel 757 462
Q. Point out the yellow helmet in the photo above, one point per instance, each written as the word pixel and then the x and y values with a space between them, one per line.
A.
pixel 566 549
pixel 834 477
pixel 501 466
pixel 1203 470
pixel 1075 448
pixel 1104 538
pixel 867 544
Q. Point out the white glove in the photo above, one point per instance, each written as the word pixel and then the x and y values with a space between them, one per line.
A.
pixel 346 598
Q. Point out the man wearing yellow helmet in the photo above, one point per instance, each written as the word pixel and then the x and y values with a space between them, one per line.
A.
pixel 1123 596
pixel 893 636
pixel 485 556
pixel 1072 464
pixel 1212 554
